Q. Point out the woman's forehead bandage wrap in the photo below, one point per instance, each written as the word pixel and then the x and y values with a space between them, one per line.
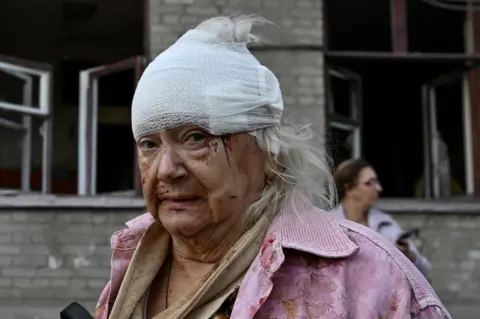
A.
pixel 203 81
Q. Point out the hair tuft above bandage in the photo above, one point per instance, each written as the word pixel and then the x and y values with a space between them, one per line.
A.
pixel 205 81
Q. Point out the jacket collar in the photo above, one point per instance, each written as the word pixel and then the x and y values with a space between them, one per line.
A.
pixel 375 218
pixel 128 238
pixel 302 226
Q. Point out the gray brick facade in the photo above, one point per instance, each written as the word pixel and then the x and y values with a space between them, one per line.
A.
pixel 297 23
pixel 49 257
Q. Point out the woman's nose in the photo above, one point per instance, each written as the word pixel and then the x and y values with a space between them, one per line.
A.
pixel 170 166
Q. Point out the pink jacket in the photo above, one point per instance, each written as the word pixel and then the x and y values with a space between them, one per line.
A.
pixel 311 265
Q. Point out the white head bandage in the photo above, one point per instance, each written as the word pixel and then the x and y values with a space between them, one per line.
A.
pixel 204 81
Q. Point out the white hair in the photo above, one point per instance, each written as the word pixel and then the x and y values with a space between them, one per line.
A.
pixel 296 165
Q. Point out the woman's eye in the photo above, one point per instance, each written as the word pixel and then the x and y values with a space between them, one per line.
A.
pixel 146 145
pixel 196 137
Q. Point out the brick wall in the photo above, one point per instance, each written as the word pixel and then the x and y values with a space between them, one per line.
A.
pixel 51 256
pixel 300 72
pixel 451 242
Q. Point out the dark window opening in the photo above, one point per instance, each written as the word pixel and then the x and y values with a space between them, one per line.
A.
pixel 392 122
pixel 433 29
pixel 358 25
pixel 341 96
pixel 366 26
pixel 115 89
pixel 115 158
pixel 115 146
pixel 113 32
pixel 392 129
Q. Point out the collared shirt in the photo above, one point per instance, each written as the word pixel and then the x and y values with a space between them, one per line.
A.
pixel 385 225
pixel 311 265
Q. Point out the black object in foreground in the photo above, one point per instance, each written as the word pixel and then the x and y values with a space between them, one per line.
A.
pixel 75 311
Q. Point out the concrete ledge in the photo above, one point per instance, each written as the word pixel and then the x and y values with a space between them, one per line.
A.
pixel 70 202
pixel 424 206
pixel 393 205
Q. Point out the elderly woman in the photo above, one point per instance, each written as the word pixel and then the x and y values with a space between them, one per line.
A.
pixel 231 231
pixel 358 189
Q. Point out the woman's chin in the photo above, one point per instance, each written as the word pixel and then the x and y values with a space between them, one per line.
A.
pixel 181 223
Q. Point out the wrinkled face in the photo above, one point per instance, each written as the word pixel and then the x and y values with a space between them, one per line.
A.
pixel 193 181
pixel 367 188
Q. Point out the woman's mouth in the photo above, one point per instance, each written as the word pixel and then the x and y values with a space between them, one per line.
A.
pixel 180 202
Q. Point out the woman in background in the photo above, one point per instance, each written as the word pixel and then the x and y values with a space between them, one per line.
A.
pixel 358 189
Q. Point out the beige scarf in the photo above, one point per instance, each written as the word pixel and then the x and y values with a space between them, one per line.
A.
pixel 202 303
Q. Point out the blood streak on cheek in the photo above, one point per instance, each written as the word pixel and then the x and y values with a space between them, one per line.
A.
pixel 227 146
pixel 211 143
pixel 227 142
